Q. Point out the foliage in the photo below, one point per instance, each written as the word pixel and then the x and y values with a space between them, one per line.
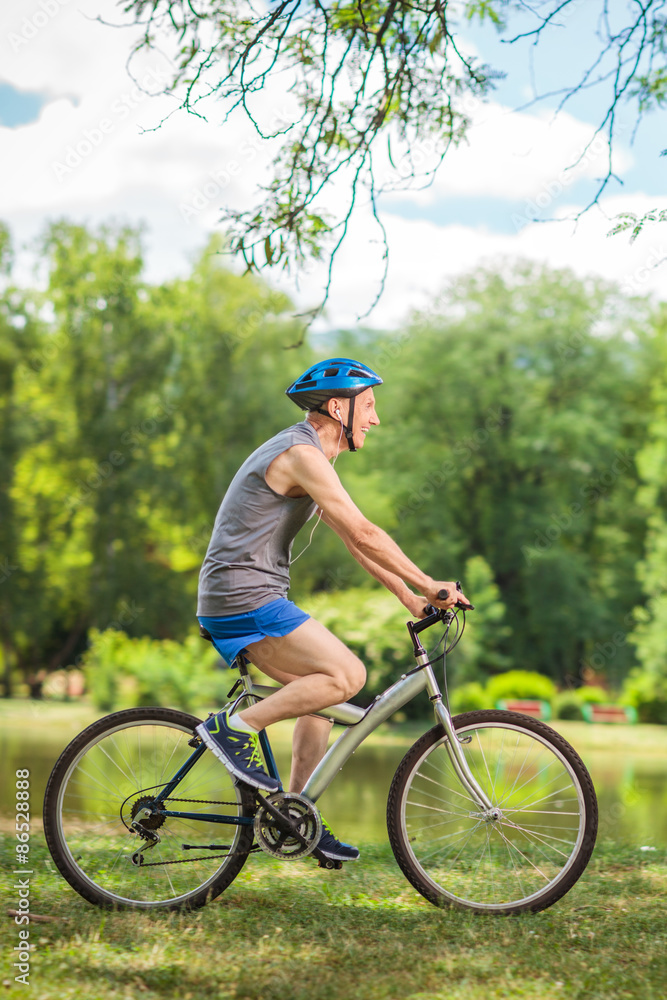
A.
pixel 566 705
pixel 591 694
pixel 629 220
pixel 648 686
pixel 527 418
pixel 468 697
pixel 520 684
pixel 341 75
pixel 510 459
pixel 124 418
pixel 480 651
pixel 146 671
pixel 646 691
pixel 569 704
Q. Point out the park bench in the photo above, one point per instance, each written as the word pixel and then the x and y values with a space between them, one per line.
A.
pixel 609 713
pixel 527 706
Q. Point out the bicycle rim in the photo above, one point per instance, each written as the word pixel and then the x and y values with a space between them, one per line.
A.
pixel 525 859
pixel 102 778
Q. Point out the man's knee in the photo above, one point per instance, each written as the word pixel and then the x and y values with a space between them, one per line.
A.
pixel 354 677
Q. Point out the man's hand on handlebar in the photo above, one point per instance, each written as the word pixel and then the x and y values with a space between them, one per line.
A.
pixel 419 606
pixel 447 594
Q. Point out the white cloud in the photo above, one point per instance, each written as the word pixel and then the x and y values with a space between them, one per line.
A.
pixel 513 155
pixel 424 256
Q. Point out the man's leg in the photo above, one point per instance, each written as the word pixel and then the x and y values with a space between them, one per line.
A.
pixel 312 649
pixel 326 672
pixel 318 670
pixel 309 740
pixel 309 744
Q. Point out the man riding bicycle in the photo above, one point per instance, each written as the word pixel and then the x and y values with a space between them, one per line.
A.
pixel 244 579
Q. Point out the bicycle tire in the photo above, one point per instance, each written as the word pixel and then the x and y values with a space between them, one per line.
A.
pixel 96 783
pixel 525 860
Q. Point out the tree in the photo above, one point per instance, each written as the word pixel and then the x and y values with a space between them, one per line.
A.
pixel 514 408
pixel 123 419
pixel 648 685
pixel 364 87
pixel 19 334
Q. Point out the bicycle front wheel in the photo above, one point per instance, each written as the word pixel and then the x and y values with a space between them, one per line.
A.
pixel 524 857
pixel 108 777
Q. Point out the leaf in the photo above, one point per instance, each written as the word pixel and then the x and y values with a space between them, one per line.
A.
pixel 391 159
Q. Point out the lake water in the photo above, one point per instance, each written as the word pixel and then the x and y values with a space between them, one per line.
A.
pixel 631 784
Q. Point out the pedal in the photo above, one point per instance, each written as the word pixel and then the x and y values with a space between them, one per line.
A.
pixel 330 864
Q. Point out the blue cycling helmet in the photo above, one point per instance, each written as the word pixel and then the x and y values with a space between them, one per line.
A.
pixel 334 377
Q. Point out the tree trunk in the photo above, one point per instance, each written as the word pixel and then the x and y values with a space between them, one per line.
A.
pixel 6 669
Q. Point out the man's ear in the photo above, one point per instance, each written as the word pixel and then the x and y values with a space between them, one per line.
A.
pixel 333 405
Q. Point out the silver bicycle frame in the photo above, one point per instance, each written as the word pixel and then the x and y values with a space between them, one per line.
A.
pixel 362 722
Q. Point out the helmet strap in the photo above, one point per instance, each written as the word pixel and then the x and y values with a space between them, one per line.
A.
pixel 348 429
pixel 350 419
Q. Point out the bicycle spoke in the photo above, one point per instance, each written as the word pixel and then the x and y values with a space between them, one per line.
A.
pixel 118 770
pixel 512 859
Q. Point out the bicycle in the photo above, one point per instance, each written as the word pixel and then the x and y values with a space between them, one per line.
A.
pixel 491 810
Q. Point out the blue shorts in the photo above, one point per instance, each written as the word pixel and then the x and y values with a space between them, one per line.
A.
pixel 233 633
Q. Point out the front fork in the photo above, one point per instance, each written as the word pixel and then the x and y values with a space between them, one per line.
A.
pixel 453 744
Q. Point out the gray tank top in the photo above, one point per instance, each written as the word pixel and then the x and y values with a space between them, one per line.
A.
pixel 247 561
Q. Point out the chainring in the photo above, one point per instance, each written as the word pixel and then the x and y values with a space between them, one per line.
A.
pixel 278 842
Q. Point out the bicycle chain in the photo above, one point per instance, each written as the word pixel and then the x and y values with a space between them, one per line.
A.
pixel 207 857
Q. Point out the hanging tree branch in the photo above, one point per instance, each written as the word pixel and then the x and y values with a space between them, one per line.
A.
pixel 356 71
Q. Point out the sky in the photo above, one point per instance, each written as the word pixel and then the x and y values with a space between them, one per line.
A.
pixel 80 140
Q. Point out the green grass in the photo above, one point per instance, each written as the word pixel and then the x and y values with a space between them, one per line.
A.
pixel 290 931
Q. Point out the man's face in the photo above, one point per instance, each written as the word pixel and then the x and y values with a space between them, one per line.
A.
pixel 365 416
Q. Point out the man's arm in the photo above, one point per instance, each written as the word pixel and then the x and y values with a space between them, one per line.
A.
pixel 413 602
pixel 312 472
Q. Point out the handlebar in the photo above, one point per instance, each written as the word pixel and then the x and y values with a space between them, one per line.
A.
pixel 442 596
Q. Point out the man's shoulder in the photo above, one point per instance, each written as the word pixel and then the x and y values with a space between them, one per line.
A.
pixel 302 433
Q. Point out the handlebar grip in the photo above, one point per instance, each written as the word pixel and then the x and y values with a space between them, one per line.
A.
pixel 442 596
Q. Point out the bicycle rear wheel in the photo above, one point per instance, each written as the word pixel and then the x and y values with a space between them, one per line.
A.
pixel 527 857
pixel 108 776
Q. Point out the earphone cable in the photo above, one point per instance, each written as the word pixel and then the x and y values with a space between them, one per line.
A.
pixel 319 516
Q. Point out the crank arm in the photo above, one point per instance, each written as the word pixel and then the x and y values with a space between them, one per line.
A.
pixel 282 821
